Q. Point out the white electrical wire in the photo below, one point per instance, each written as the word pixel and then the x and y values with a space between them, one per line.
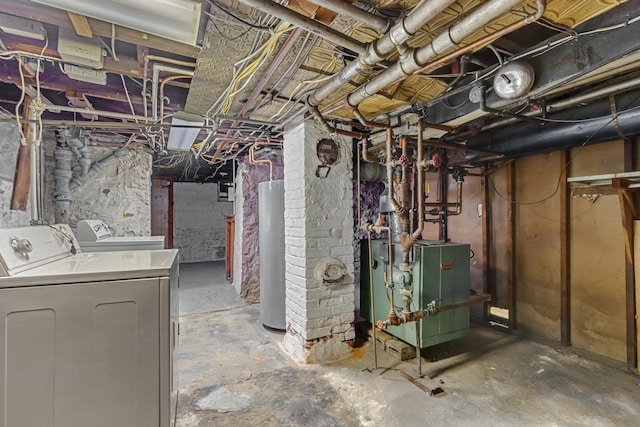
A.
pixel 126 91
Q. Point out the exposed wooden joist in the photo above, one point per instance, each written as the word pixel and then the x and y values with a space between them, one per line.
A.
pixel 628 211
pixel 125 66
pixel 565 255
pixel 60 18
pixel 80 24
pixel 22 176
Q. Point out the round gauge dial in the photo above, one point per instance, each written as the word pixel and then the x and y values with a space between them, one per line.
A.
pixel 513 80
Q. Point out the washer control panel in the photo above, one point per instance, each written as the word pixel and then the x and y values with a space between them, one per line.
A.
pixel 28 247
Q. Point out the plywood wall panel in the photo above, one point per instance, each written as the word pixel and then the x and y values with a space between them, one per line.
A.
pixel 467 228
pixel 538 245
pixel 597 259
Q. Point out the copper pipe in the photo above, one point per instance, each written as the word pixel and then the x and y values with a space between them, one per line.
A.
pixel 417 234
pixel 255 161
pixel 366 154
pixel 457 205
pixel 164 82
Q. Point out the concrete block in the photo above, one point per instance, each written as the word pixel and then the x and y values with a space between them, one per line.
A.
pixel 400 349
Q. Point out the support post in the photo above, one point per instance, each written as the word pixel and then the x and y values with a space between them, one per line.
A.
pixel 628 213
pixel 565 256
pixel 488 286
pixel 22 180
pixel 511 244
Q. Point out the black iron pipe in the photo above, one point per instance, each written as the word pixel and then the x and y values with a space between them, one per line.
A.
pixel 594 123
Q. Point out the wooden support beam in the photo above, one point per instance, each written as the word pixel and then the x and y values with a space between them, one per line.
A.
pixel 511 244
pixel 627 207
pixel 565 255
pixel 125 66
pixel 488 285
pixel 80 24
pixel 22 177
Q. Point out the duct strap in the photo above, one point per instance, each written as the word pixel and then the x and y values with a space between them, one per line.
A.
pixel 614 114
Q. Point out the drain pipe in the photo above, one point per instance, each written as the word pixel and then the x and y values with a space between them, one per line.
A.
pixel 66 182
pixel 381 48
pixel 63 174
pixel 417 59
pixel 35 170
pixel 308 24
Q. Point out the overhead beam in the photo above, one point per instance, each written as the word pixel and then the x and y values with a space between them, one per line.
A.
pixel 80 24
pixel 60 18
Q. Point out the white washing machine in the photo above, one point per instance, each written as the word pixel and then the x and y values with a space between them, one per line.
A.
pixel 85 339
pixel 95 236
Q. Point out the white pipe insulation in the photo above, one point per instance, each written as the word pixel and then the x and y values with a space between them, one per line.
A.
pixel 447 41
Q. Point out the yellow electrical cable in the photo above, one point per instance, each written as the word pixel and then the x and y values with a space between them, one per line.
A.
pixel 248 71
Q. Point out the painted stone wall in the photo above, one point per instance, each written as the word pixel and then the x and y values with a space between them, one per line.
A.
pixel 248 281
pixel 9 145
pixel 199 222
pixel 119 195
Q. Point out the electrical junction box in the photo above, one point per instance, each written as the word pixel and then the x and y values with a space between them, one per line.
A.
pixel 83 51
pixel 21 27
pixel 88 75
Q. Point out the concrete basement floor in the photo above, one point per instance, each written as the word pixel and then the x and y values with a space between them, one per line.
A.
pixel 233 372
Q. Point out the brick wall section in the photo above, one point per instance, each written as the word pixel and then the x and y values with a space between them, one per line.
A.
pixel 9 145
pixel 318 225
pixel 199 222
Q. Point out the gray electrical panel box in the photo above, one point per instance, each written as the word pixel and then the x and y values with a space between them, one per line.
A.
pixel 441 272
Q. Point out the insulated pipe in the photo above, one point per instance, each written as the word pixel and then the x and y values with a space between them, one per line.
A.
pixel 308 24
pixel 448 40
pixel 381 48
pixel 563 104
pixel 344 8
pixel 157 68
pixel 587 125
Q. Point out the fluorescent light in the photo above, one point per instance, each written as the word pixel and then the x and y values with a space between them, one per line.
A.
pixel 171 19
pixel 185 128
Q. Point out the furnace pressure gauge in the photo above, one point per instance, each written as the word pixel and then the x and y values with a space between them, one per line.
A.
pixel 513 80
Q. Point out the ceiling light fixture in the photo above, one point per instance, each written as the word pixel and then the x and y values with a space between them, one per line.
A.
pixel 185 128
pixel 171 19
